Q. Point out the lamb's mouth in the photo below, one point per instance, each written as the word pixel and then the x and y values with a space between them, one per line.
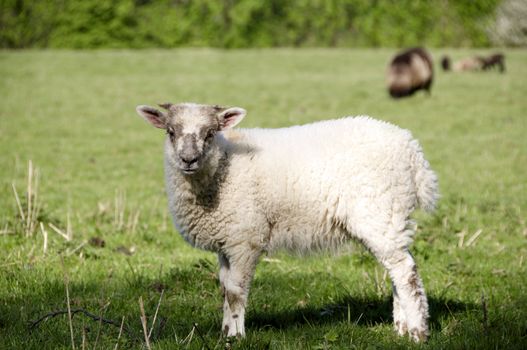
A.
pixel 189 171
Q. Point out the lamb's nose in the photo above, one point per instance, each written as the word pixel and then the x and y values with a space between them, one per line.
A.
pixel 189 160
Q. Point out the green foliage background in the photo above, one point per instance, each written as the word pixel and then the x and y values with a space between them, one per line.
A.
pixel 243 23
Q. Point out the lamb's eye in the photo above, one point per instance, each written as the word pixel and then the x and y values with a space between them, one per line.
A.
pixel 210 135
pixel 171 133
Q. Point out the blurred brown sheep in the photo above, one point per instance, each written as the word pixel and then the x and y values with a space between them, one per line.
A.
pixel 409 71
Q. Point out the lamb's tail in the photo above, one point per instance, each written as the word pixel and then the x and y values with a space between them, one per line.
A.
pixel 426 182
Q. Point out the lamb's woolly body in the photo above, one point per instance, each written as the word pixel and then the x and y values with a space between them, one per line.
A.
pixel 304 187
pixel 246 191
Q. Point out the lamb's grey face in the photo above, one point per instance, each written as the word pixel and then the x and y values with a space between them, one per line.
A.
pixel 191 130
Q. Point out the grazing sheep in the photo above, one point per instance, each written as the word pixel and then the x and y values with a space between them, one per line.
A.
pixel 409 71
pixel 245 192
pixel 463 65
pixel 445 63
pixel 475 63
pixel 467 64
pixel 489 62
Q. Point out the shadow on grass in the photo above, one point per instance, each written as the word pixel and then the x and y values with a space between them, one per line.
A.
pixel 191 295
pixel 363 312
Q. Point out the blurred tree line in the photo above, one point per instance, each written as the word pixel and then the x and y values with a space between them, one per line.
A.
pixel 244 23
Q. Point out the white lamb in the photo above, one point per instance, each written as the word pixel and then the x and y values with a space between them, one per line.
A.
pixel 244 192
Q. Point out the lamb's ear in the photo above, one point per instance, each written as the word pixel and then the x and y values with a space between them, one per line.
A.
pixel 153 116
pixel 165 105
pixel 230 117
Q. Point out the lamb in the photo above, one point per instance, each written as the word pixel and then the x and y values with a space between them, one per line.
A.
pixel 410 71
pixel 245 192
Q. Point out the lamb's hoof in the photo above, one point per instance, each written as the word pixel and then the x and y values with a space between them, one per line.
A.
pixel 230 333
pixel 400 327
pixel 418 336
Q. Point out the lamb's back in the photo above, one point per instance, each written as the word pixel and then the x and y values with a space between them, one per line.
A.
pixel 325 144
pixel 307 178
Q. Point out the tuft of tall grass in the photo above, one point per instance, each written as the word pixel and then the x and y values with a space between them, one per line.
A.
pixel 29 211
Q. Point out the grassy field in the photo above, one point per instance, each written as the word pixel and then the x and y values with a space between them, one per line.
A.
pixel 96 175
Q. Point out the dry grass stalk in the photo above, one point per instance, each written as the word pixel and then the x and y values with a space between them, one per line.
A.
pixel 445 222
pixel 121 219
pixel 102 208
pixel 31 251
pixel 69 231
pixel 60 232
pixel 189 336
pixel 29 214
pixel 77 248
pixel 6 230
pixel 461 238
pixel 66 284
pixel 378 281
pixel 155 314
pixel 133 220
pixel 45 234
pixel 33 206
pixel 119 209
pixel 120 333
pixel 20 210
pixel 473 238
pixel 143 322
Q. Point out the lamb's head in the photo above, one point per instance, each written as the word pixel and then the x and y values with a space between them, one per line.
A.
pixel 191 130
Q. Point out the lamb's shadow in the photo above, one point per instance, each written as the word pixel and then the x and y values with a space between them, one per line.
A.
pixel 358 311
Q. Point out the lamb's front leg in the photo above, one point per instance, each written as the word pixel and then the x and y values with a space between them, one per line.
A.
pixel 236 273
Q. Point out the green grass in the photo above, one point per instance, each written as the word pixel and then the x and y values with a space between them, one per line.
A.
pixel 72 114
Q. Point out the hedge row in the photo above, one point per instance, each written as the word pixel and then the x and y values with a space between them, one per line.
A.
pixel 243 23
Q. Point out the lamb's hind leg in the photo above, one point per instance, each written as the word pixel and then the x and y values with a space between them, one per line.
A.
pixel 410 303
pixel 236 272
pixel 411 295
pixel 399 317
